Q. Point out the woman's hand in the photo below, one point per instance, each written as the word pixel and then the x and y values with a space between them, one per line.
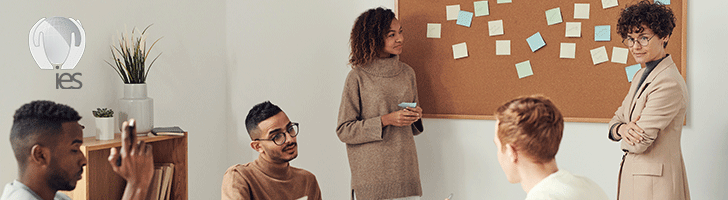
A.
pixel 631 132
pixel 404 117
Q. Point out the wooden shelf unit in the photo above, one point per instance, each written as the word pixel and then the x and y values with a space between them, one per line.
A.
pixel 99 181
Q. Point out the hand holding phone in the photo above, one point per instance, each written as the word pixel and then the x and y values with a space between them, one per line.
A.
pixel 128 138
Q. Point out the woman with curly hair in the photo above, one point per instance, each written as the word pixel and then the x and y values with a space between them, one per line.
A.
pixel 649 122
pixel 379 135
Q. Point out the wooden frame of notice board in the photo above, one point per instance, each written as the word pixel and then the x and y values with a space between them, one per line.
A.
pixel 474 86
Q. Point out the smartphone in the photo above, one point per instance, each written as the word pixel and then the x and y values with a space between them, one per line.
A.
pixel 132 136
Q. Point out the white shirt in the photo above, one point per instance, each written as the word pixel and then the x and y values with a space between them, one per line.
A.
pixel 18 191
pixel 562 185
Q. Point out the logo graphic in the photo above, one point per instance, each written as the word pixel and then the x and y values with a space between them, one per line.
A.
pixel 57 42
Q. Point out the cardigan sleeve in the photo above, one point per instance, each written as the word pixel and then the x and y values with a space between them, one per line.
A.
pixel 351 127
pixel 664 103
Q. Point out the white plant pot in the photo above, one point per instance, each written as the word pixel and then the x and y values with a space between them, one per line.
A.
pixel 136 105
pixel 105 128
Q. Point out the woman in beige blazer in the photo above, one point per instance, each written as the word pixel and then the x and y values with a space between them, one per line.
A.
pixel 649 122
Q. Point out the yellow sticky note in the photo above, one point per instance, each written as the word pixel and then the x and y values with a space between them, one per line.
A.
pixel 434 30
pixel 619 55
pixel 452 12
pixel 568 50
pixel 599 55
pixel 502 47
pixel 460 50
pixel 495 27
pixel 581 11
pixel 573 29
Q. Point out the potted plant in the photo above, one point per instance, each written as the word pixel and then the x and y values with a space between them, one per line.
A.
pixel 104 123
pixel 130 58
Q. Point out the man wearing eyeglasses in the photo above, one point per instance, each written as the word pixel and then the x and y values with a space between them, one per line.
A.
pixel 649 122
pixel 270 176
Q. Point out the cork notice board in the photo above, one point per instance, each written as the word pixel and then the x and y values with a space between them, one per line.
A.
pixel 474 86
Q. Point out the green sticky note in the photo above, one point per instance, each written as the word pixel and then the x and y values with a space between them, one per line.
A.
pixel 553 16
pixel 481 8
pixel 524 69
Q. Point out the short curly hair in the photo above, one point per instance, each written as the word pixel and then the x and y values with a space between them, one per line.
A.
pixel 38 122
pixel 533 125
pixel 367 35
pixel 655 16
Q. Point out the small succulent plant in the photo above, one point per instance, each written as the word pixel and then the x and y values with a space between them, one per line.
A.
pixel 103 112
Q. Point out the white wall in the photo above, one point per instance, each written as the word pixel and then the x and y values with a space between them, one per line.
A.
pixel 187 82
pixel 295 53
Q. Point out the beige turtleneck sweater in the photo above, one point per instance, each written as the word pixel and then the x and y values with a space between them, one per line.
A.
pixel 383 160
pixel 262 180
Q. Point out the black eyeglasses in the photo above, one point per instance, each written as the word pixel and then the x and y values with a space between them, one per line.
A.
pixel 643 40
pixel 280 139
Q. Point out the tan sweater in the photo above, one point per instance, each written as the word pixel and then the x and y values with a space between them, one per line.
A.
pixel 383 160
pixel 261 180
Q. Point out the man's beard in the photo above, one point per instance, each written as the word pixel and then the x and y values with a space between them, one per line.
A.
pixel 57 181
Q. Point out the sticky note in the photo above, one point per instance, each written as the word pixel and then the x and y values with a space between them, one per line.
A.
pixel 619 55
pixel 608 3
pixel 434 30
pixel 464 18
pixel 535 42
pixel 573 29
pixel 452 12
pixel 599 55
pixel 481 8
pixel 504 1
pixel 405 105
pixel 524 69
pixel 502 47
pixel 495 27
pixel 581 11
pixel 631 71
pixel 568 50
pixel 602 33
pixel 553 16
pixel 664 2
pixel 459 50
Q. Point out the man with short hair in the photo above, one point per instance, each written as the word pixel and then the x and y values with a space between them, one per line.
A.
pixel 528 132
pixel 270 176
pixel 46 139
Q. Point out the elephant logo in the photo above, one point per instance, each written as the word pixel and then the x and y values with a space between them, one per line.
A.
pixel 57 42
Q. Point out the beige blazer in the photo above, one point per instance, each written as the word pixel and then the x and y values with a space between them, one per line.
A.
pixel 654 168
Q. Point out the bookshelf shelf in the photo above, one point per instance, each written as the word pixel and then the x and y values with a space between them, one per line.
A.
pixel 99 181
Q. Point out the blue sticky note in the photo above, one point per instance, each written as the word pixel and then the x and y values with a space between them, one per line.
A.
pixel 524 69
pixel 535 42
pixel 464 18
pixel 664 2
pixel 631 70
pixel 602 33
pixel 411 105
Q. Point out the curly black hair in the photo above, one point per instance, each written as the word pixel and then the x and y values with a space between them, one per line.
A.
pixel 367 35
pixel 38 122
pixel 257 114
pixel 655 16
